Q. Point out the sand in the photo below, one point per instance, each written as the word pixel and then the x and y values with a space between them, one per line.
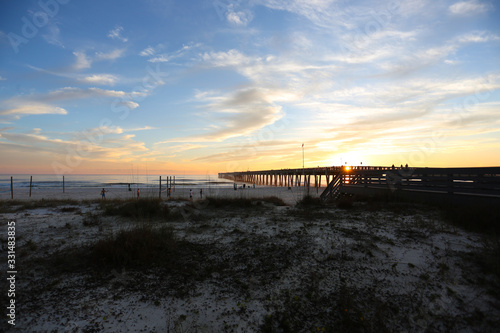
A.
pixel 265 267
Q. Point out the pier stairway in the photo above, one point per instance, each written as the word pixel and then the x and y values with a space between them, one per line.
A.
pixel 332 191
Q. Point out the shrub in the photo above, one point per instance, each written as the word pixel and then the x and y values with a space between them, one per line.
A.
pixel 309 201
pixel 91 220
pixel 274 200
pixel 137 247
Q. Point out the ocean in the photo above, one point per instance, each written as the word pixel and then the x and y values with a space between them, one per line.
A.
pixel 111 181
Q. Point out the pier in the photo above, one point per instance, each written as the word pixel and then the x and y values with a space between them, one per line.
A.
pixel 428 183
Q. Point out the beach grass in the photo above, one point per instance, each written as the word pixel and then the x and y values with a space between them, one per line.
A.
pixel 218 202
pixel 12 206
pixel 147 208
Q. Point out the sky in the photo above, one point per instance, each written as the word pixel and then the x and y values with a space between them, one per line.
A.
pixel 206 86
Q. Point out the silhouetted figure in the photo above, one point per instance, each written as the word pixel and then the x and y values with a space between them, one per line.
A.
pixel 103 193
pixel 138 193
pixel 201 193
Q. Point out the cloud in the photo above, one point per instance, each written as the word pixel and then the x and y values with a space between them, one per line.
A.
pixel 112 55
pixel 71 93
pixel 2 78
pixel 129 104
pixel 161 58
pixel 116 33
pixel 82 62
pixel 101 79
pixel 37 104
pixel 166 57
pixel 53 35
pixel 238 114
pixel 104 144
pixel 407 63
pixel 179 148
pixel 149 51
pixel 32 109
pixel 145 128
pixel 471 7
pixel 477 37
pixel 226 59
pixel 238 17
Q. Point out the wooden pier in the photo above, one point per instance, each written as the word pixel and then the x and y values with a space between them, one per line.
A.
pixel 483 182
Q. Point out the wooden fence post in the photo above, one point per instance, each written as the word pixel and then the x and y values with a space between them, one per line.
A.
pixel 11 188
pixel 31 182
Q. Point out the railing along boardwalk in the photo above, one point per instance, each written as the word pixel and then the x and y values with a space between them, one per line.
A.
pixel 479 182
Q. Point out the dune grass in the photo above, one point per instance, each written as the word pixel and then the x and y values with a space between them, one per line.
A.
pixel 13 206
pixel 217 202
pixel 147 208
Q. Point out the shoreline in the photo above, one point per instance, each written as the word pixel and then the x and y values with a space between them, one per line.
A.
pixel 290 197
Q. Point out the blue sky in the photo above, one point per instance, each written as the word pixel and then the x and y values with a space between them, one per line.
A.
pixel 212 86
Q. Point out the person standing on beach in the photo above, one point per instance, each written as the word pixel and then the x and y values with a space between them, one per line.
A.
pixel 138 193
pixel 201 193
pixel 169 192
pixel 103 193
pixel 190 194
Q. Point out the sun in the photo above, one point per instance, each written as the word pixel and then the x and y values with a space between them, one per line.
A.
pixel 349 159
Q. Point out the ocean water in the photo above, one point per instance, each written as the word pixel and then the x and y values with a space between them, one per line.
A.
pixel 111 181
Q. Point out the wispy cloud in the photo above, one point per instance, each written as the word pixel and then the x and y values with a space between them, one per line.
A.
pixel 109 144
pixel 149 51
pixel 100 79
pixel 166 57
pixel 112 55
pixel 53 35
pixel 2 78
pixel 31 109
pixel 471 7
pixel 145 128
pixel 38 104
pixel 116 33
pixel 237 16
pixel 82 61
pixel 238 114
pixel 71 93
